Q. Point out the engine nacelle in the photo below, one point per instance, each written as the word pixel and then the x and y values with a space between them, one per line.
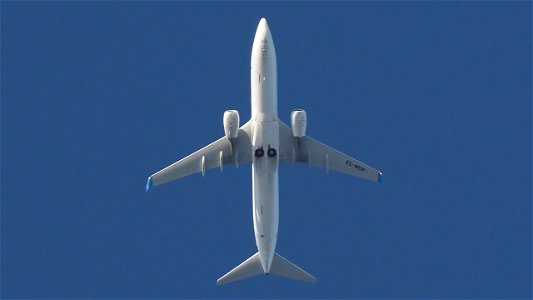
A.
pixel 231 123
pixel 298 122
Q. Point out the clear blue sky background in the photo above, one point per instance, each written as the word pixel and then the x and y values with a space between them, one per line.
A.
pixel 96 96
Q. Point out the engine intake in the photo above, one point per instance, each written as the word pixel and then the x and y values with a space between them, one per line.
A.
pixel 231 123
pixel 298 122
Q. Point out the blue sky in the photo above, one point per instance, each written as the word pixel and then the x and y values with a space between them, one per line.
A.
pixel 96 96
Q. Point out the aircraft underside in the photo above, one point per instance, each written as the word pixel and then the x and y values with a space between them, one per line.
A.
pixel 265 142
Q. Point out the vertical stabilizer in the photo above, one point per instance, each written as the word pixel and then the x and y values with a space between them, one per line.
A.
pixel 283 267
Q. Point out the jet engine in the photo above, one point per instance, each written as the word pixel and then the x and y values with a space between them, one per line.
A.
pixel 298 122
pixel 231 123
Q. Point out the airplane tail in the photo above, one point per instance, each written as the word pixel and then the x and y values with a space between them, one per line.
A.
pixel 253 267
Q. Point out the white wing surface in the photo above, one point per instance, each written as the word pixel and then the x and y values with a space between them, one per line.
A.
pixel 214 155
pixel 310 151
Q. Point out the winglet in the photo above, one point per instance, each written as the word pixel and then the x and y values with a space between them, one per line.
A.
pixel 149 183
pixel 379 177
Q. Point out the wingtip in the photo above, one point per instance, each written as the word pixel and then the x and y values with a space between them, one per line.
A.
pixel 380 177
pixel 149 183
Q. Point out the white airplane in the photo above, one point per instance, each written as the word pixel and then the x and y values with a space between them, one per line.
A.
pixel 265 141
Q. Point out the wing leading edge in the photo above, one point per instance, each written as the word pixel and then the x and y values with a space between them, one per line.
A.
pixel 214 155
pixel 310 151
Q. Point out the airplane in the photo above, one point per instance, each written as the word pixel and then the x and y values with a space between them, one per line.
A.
pixel 265 142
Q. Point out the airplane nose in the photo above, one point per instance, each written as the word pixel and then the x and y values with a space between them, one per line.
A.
pixel 263 46
pixel 262 34
pixel 263 25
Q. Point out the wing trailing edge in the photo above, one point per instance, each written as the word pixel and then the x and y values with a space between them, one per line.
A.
pixel 215 155
pixel 312 152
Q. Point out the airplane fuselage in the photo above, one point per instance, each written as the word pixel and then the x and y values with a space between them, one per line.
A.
pixel 265 143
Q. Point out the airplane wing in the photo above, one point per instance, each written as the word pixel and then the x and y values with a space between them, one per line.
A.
pixel 214 155
pixel 310 151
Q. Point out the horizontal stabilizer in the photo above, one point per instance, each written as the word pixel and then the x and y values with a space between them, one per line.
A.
pixel 250 267
pixel 283 267
pixel 253 267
